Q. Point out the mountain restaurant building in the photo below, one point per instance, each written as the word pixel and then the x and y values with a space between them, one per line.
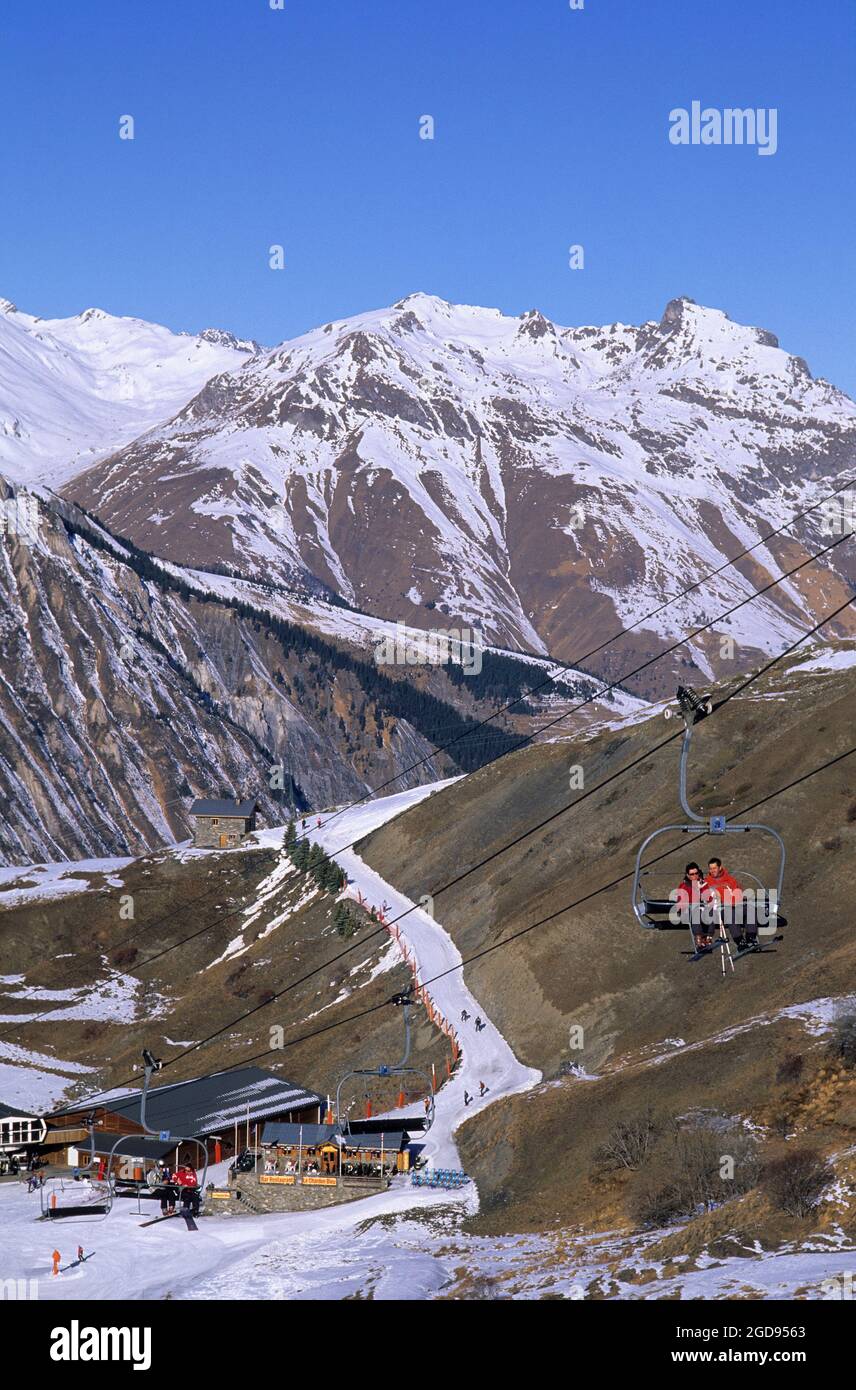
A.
pixel 226 1111
pixel 298 1167
pixel 20 1134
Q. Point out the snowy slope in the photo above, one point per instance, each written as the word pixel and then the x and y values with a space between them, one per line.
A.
pixel 72 390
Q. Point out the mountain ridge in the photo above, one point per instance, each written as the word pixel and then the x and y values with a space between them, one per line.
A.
pixel 533 481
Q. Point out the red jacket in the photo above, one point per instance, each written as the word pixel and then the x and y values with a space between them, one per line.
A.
pixel 725 886
pixel 694 893
pixel 186 1177
pixel 693 903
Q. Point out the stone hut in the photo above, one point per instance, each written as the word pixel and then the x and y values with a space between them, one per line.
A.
pixel 222 824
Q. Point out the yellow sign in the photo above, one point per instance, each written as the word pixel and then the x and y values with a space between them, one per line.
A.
pixel 220 1196
pixel 319 1182
pixel 278 1177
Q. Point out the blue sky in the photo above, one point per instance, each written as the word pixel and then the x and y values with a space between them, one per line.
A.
pixel 301 127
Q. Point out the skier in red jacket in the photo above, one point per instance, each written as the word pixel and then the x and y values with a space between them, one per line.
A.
pixel 722 883
pixel 693 903
pixel 730 894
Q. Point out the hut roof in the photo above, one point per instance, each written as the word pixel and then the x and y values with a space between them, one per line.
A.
pixel 207 806
pixel 295 1134
pixel 313 1135
pixel 211 1103
pixel 132 1146
pixel 8 1112
pixel 391 1142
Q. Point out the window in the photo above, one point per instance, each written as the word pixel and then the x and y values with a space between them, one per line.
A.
pixel 215 820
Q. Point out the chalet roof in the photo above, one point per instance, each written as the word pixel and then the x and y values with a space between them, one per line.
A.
pixel 314 1135
pixel 291 1134
pixel 132 1146
pixel 8 1112
pixel 391 1142
pixel 211 1104
pixel 206 806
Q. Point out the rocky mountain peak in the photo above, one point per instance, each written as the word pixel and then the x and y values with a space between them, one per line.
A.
pixel 534 325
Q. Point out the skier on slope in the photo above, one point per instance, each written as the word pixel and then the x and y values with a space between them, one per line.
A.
pixel 479 1023
pixel 483 1089
pixel 465 1018
pixel 467 1097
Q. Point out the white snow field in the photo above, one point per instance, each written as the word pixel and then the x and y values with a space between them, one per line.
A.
pixel 72 390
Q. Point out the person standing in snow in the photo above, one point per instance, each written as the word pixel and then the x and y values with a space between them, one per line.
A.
pixel 465 1018
pixel 479 1023
pixel 467 1097
pixel 483 1089
pixel 167 1192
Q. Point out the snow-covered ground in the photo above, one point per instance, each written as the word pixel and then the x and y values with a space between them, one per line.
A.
pixel 74 389
pixel 33 882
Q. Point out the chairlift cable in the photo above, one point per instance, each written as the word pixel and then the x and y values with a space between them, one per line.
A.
pixel 167 950
pixel 203 1042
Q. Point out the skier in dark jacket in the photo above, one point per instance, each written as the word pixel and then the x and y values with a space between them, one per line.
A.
pixel 167 1192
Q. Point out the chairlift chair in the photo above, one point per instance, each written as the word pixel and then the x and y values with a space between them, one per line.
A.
pixel 657 912
pixel 152 1064
pixel 84 1212
pixel 400 1069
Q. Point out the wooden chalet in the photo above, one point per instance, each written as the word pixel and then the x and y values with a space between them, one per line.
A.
pixel 328 1151
pixel 226 1111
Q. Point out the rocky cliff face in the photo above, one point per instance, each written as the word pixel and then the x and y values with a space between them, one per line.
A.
pixel 127 689
pixel 548 485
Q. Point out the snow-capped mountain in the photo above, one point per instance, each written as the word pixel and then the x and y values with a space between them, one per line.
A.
pixel 74 389
pixel 548 485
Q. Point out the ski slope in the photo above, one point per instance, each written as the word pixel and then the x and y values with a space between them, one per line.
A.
pixel 486 1056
